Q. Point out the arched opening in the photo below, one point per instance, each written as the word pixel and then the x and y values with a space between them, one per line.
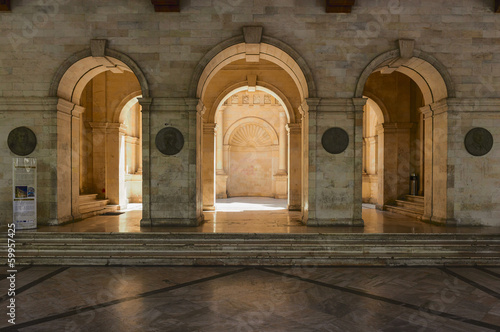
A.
pixel 404 135
pixel 251 146
pixel 253 112
pixel 99 132
pixel 392 143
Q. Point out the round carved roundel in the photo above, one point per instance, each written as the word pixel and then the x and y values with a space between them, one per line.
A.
pixel 22 141
pixel 335 140
pixel 169 141
pixel 478 141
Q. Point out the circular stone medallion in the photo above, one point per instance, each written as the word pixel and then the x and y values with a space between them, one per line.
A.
pixel 22 141
pixel 335 140
pixel 478 141
pixel 169 141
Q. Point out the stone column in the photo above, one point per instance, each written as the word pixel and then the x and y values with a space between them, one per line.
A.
pixel 220 143
pixel 146 160
pixel 281 177
pixel 294 166
pixel 421 184
pixel 393 162
pixel 99 158
pixel 208 166
pixel 438 198
pixel 67 173
pixel 428 161
pixel 173 178
pixel 221 176
pixel 358 105
pixel 139 146
pixel 75 160
pixel 282 144
pixel 115 165
pixel 309 112
pixel 335 180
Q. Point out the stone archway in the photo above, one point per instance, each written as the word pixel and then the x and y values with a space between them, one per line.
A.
pixel 68 84
pixel 293 89
pixel 434 82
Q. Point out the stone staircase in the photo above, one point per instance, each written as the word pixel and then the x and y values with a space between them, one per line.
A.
pixel 204 249
pixel 411 206
pixel 91 206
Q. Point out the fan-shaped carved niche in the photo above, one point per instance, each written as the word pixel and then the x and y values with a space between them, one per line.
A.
pixel 251 135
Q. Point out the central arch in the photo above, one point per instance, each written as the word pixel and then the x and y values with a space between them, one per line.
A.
pixel 231 69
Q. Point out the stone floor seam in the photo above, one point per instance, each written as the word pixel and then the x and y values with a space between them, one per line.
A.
pixel 22 269
pixel 387 300
pixel 36 282
pixel 471 282
pixel 485 270
pixel 118 301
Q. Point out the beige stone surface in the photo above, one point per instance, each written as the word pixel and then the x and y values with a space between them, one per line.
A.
pixel 306 57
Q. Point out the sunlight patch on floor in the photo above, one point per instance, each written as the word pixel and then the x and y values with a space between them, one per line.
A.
pixel 240 204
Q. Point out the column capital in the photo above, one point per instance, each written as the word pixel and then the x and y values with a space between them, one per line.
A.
pixel 371 139
pixel 359 104
pixel 116 127
pixel 210 128
pixel 145 103
pixel 310 105
pixel 426 111
pixel 388 127
pixel 98 125
pixel 440 107
pixel 69 108
pixel 77 111
pixel 294 128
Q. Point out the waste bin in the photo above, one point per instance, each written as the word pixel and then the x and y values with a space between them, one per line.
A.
pixel 413 184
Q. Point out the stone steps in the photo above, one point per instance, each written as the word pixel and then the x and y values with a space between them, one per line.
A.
pixel 411 206
pixel 91 206
pixel 255 249
pixel 412 198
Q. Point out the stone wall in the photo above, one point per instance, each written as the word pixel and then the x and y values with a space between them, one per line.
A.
pixel 250 125
pixel 463 36
pixel 37 114
pixel 474 182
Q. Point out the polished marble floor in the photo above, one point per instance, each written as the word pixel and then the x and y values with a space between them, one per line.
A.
pixel 302 298
pixel 260 215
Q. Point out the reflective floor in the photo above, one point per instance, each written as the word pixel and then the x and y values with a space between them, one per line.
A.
pixel 221 299
pixel 260 215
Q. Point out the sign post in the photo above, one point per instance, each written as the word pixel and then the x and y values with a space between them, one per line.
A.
pixel 24 192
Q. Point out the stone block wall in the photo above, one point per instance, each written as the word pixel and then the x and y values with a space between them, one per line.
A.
pixel 171 190
pixel 474 181
pixel 37 38
pixel 335 179
pixel 36 114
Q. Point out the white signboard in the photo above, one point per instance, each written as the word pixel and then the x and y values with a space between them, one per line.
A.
pixel 24 192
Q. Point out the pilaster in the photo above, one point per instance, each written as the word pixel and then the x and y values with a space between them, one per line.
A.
pixel 294 166
pixel 208 166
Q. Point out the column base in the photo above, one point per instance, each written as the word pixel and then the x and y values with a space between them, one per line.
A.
pixel 335 222
pixel 174 222
pixel 294 207
pixel 51 222
pixel 441 221
pixel 208 207
pixel 59 221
